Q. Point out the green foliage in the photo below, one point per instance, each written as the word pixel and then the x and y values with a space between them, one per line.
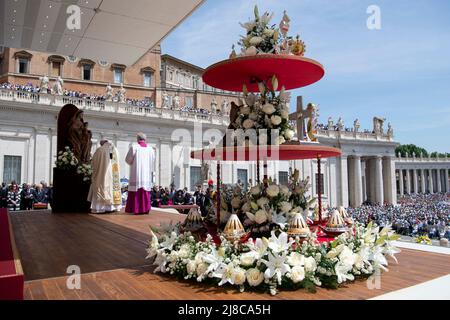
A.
pixel 410 149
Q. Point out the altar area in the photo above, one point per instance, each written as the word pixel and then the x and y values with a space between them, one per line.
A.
pixel 110 251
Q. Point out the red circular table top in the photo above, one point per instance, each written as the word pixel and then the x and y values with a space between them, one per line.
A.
pixel 291 71
pixel 261 153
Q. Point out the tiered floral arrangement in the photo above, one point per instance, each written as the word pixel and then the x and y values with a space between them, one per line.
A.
pixel 264 208
pixel 265 113
pixel 274 247
pixel 278 262
pixel 66 160
pixel 263 38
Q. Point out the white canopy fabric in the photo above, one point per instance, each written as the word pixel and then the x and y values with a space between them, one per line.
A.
pixel 118 31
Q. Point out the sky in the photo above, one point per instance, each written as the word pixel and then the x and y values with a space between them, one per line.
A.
pixel 400 72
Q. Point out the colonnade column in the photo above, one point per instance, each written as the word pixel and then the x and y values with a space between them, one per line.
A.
pixel 357 182
pixel 408 182
pixel 400 176
pixel 343 197
pixel 438 177
pixel 422 181
pixel 379 193
pixel 415 182
pixel 430 180
pixel 447 187
pixel 389 185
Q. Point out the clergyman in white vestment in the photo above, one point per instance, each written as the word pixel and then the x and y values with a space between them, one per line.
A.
pixel 104 193
pixel 140 157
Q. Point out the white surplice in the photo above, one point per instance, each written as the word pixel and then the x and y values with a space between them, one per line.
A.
pixel 102 184
pixel 140 160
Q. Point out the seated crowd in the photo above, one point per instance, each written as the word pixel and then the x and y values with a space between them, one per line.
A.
pixel 415 215
pixel 161 196
pixel 25 196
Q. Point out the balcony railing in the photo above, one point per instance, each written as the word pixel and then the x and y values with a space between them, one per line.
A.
pixel 110 106
pixel 360 135
pixel 421 159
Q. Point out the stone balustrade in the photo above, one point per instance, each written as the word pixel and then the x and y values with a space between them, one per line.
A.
pixel 110 106
pixel 356 135
pixel 414 159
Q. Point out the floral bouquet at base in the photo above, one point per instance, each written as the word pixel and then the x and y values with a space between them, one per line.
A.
pixel 277 262
pixel 66 159
pixel 85 170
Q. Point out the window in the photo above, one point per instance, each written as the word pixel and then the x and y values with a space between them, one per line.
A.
pixel 321 183
pixel 56 69
pixel 196 177
pixel 118 75
pixel 147 79
pixel 103 63
pixel 87 72
pixel 189 102
pixel 195 83
pixel 242 177
pixel 23 65
pixel 12 166
pixel 283 177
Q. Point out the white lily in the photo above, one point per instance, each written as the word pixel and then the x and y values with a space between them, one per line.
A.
pixel 225 272
pixel 152 249
pixel 276 266
pixel 259 247
pixel 279 219
pixel 169 241
pixel 281 243
pixel 378 258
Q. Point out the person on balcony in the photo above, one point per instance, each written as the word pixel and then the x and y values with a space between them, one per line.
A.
pixel 140 157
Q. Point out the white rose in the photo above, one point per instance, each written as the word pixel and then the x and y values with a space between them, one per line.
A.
pixel 191 267
pixel 238 276
pixel 254 277
pixel 260 216
pixel 64 159
pixel 262 202
pixel 236 202
pixel 253 116
pixel 296 259
pixel 184 251
pixel 310 264
pixel 201 269
pixel 286 206
pixel 248 123
pixel 255 190
pixel 247 259
pixel 246 207
pixel 297 274
pixel 272 190
pixel 254 41
pixel 284 190
pixel 281 140
pixel 289 134
pixel 245 110
pixel 269 32
pixel 276 120
pixel 284 114
pixel 268 108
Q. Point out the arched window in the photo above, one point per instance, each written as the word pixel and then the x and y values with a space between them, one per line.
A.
pixel 87 68
pixel 23 59
pixel 56 65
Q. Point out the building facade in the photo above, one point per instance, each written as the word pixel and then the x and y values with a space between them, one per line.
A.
pixel 367 171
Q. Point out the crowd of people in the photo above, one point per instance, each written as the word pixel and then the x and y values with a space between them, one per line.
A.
pixel 25 196
pixel 30 88
pixel 163 196
pixel 145 103
pixel 415 215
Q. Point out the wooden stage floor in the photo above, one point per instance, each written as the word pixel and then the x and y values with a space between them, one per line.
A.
pixel 110 251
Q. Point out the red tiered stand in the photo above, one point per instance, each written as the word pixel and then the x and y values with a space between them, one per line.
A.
pixel 292 72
